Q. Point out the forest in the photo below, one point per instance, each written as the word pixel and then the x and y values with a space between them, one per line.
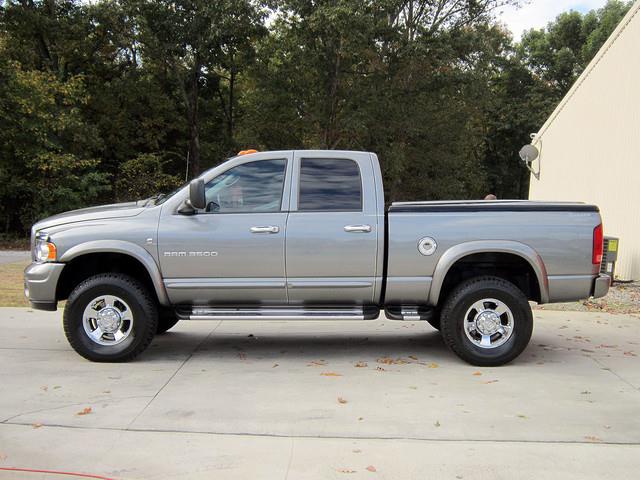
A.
pixel 104 101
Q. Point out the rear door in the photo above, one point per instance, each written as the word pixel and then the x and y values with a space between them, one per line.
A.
pixel 332 232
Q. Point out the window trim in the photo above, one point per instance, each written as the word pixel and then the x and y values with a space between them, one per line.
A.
pixel 282 193
pixel 344 210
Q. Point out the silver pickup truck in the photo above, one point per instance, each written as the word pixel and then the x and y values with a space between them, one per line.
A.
pixel 306 235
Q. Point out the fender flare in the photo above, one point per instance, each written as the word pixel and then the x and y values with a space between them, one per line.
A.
pixel 455 253
pixel 126 248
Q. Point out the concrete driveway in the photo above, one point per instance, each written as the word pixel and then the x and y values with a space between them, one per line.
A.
pixel 309 400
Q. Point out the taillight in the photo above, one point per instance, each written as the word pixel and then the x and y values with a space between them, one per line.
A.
pixel 598 238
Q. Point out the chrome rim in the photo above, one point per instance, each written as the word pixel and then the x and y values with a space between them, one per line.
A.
pixel 488 323
pixel 107 320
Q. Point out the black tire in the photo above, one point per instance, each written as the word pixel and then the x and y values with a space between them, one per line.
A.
pixel 167 319
pixel 461 300
pixel 143 326
pixel 434 319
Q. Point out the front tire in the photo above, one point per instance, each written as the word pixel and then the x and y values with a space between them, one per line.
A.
pixel 110 317
pixel 487 321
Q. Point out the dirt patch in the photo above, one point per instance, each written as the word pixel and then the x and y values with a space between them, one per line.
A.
pixel 622 298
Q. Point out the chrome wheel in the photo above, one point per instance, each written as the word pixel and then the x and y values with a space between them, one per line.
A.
pixel 488 323
pixel 107 320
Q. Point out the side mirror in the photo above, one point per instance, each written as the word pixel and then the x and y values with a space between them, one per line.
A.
pixel 196 193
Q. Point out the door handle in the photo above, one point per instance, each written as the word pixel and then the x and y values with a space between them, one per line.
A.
pixel 357 228
pixel 269 229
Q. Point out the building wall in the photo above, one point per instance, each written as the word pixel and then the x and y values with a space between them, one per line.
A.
pixel 590 146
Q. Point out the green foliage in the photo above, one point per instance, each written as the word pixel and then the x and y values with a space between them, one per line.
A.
pixel 110 100
pixel 45 163
pixel 143 177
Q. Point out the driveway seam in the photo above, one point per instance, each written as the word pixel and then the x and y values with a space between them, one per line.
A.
pixel 609 369
pixel 75 404
pixel 184 362
pixel 332 437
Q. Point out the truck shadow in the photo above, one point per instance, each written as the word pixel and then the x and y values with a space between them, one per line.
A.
pixel 425 346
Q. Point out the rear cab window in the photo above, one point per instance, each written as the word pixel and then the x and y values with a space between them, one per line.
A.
pixel 329 185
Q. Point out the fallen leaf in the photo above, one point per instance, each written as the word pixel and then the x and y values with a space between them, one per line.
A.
pixel 391 361
pixel 360 419
pixel 56 387
pixel 37 425
pixel 433 365
pixel 357 450
pixel 491 381
pixel 44 388
pixel 361 365
pixel 592 438
pixel 341 400
pixel 2 457
pixel 345 470
pixel 630 354
pixel 242 356
pixel 330 374
pixel 274 365
pixel 413 387
pixel 316 363
pixel 585 392
pixel 85 411
pixel 524 417
pixel 437 424
pixel 380 369
pixel 371 468
pixel 106 391
pixel 413 357
pixel 476 374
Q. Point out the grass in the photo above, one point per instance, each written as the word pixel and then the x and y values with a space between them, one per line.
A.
pixel 12 285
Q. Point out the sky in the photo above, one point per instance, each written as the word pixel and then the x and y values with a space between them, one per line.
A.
pixel 537 13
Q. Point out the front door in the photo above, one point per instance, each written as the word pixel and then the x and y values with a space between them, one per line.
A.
pixel 233 251
pixel 332 233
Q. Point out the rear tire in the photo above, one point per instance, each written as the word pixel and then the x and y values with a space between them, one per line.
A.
pixel 486 321
pixel 110 318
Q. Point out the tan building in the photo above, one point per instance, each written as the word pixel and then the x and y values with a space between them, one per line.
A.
pixel 590 145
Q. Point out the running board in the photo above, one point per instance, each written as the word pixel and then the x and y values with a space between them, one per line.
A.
pixel 277 313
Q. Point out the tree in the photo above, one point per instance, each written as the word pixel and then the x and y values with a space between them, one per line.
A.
pixel 559 53
pixel 197 45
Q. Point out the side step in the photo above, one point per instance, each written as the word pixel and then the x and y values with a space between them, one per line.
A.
pixel 276 313
pixel 409 313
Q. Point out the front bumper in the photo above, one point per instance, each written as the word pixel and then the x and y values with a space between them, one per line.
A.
pixel 40 283
pixel 600 286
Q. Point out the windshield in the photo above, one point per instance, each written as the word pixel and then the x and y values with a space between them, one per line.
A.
pixel 161 197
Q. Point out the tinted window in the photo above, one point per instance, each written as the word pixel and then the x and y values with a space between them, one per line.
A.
pixel 330 185
pixel 250 187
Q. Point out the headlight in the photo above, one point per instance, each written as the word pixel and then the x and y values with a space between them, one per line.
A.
pixel 44 250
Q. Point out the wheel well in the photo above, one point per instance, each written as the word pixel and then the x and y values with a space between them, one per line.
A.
pixel 90 264
pixel 507 266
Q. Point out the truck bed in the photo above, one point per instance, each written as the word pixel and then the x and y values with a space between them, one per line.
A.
pixel 554 238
